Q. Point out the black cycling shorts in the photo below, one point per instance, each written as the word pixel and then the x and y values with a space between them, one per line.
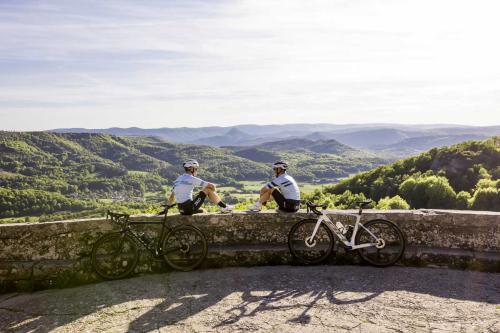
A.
pixel 191 206
pixel 286 205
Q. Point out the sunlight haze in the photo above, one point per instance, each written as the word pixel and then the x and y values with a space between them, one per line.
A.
pixel 98 64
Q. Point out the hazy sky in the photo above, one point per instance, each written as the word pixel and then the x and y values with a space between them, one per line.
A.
pixel 197 63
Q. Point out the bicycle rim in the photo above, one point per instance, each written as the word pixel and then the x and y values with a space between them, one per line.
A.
pixel 185 248
pixel 393 239
pixel 317 250
pixel 114 256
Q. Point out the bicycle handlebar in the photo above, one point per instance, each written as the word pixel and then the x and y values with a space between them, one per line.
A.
pixel 314 207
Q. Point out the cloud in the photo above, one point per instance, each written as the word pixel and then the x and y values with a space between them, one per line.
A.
pixel 250 61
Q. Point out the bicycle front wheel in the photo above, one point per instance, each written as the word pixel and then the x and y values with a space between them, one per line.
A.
pixel 114 256
pixel 185 248
pixel 389 239
pixel 306 250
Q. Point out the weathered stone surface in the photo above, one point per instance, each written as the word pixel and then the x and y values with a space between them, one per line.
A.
pixel 267 299
pixel 57 253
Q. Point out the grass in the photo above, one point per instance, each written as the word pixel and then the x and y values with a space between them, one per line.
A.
pixel 138 173
pixel 252 185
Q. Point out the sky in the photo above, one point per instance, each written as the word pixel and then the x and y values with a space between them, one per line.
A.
pixel 151 64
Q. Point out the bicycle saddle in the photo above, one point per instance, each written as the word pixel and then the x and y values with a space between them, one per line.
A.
pixel 116 215
pixel 313 205
pixel 165 209
pixel 364 203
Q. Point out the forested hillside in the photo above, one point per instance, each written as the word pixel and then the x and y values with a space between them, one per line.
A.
pixel 43 172
pixel 49 173
pixel 461 176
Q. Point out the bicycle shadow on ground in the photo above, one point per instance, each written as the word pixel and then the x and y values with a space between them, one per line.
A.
pixel 228 296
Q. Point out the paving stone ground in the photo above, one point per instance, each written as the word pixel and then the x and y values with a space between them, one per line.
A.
pixel 267 299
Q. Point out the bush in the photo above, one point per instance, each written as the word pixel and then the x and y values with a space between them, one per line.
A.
pixel 486 183
pixel 395 202
pixel 486 199
pixel 428 192
pixel 463 199
pixel 348 200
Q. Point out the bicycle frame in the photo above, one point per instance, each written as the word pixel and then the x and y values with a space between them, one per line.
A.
pixel 323 218
pixel 157 250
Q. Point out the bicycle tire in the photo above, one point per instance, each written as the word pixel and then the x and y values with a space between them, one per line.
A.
pixel 180 252
pixel 118 264
pixel 307 254
pixel 394 247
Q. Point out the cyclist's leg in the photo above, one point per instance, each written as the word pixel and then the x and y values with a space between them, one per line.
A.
pixel 291 206
pixel 186 208
pixel 265 195
pixel 279 198
pixel 211 194
pixel 199 200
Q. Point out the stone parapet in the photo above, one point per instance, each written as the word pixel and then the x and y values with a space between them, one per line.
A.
pixel 57 254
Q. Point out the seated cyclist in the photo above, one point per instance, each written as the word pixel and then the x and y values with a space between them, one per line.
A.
pixel 182 192
pixel 283 189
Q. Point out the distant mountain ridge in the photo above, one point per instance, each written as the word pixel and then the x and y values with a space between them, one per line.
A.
pixel 394 140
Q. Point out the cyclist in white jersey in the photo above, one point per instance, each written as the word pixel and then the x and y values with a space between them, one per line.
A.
pixel 283 189
pixel 182 191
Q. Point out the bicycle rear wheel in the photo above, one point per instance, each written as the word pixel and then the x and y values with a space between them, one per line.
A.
pixel 309 251
pixel 391 242
pixel 185 248
pixel 114 256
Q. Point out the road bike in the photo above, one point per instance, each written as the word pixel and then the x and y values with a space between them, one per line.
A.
pixel 379 242
pixel 115 255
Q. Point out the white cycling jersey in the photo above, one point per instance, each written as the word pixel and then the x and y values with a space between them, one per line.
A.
pixel 184 185
pixel 287 186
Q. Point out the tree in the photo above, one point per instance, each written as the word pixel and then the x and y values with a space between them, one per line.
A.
pixel 428 192
pixel 463 199
pixel 395 202
pixel 486 199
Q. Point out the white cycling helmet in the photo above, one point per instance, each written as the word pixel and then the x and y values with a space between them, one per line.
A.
pixel 280 164
pixel 191 164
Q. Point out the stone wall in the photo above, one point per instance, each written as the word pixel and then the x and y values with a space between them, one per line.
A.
pixel 56 254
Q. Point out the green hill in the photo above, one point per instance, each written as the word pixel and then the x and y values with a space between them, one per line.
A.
pixel 45 172
pixel 464 175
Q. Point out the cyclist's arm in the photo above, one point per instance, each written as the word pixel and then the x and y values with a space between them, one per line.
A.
pixel 203 184
pixel 271 185
pixel 171 199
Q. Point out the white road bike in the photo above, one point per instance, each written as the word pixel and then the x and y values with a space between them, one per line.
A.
pixel 379 242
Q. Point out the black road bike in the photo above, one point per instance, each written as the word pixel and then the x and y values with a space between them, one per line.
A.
pixel 116 254
pixel 379 242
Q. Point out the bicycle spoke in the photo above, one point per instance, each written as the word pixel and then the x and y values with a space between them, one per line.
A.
pixel 185 248
pixel 307 250
pixel 391 245
pixel 114 256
